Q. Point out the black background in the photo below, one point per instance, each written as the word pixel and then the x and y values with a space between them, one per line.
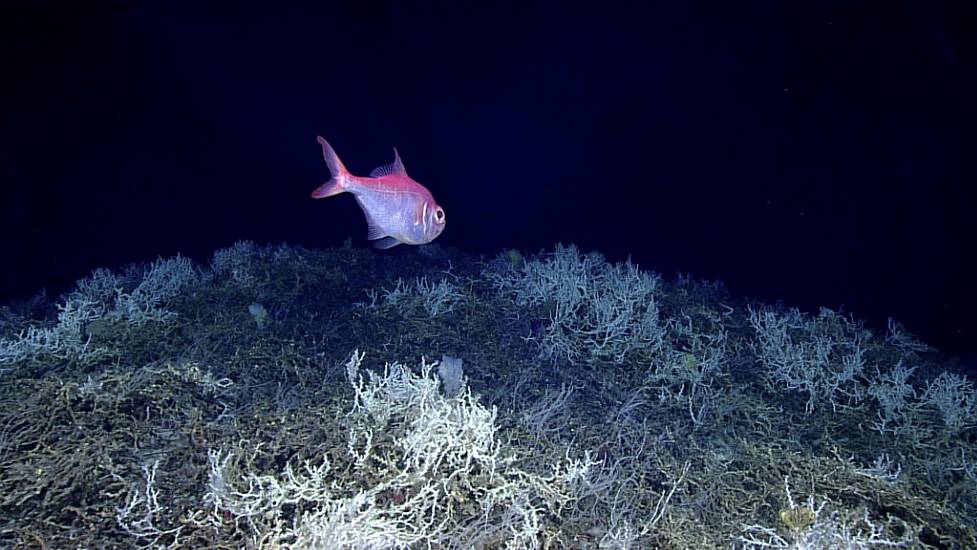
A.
pixel 822 153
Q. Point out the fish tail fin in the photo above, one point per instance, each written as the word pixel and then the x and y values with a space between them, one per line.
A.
pixel 340 176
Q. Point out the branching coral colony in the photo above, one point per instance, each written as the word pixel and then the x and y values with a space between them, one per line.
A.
pixel 429 471
pixel 167 405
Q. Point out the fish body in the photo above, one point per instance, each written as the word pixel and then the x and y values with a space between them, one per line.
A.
pixel 397 208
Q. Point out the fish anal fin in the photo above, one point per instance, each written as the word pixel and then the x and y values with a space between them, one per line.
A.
pixel 384 243
pixel 373 229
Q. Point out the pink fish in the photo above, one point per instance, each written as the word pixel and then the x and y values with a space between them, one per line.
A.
pixel 397 208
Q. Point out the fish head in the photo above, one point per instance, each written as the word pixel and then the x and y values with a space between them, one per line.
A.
pixel 433 220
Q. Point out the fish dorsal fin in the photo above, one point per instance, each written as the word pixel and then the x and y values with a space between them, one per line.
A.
pixel 395 167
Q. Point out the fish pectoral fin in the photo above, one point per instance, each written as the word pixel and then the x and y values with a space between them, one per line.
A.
pixel 384 243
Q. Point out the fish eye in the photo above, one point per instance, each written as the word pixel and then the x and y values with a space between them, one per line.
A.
pixel 439 214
